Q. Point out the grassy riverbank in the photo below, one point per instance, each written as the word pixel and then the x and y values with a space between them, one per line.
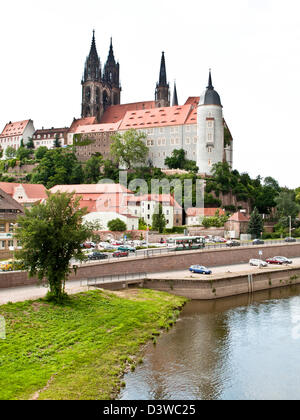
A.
pixel 80 350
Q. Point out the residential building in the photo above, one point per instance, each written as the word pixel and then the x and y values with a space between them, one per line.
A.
pixel 104 202
pixel 10 210
pixel 47 137
pixel 14 133
pixel 237 224
pixel 145 207
pixel 25 194
pixel 194 215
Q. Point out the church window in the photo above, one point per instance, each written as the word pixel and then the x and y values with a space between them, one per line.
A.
pixel 209 162
pixel 195 140
pixel 177 140
pixel 209 149
pixel 188 140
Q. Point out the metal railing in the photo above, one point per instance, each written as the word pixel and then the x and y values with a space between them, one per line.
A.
pixel 150 253
pixel 113 278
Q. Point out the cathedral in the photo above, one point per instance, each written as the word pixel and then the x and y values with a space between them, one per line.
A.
pixel 197 126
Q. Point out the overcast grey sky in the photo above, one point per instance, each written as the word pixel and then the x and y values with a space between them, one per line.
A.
pixel 252 47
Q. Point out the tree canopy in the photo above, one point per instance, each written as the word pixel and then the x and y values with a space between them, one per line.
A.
pixel 50 235
pixel 159 222
pixel 178 161
pixel 256 225
pixel 129 148
pixel 117 225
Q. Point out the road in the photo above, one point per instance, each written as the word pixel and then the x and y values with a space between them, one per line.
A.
pixel 23 293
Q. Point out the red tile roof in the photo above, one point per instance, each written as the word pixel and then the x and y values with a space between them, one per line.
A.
pixel 97 128
pixel 193 100
pixel 83 121
pixel 209 212
pixel 91 189
pixel 116 113
pixel 239 217
pixel 158 117
pixel 14 129
pixel 34 192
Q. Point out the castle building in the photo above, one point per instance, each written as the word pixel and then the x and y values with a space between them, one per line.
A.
pixel 198 126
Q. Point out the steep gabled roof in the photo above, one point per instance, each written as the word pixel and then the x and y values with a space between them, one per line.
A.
pixel 206 212
pixel 116 113
pixel 157 117
pixel 14 128
pixel 8 203
pixel 82 121
pixel 34 192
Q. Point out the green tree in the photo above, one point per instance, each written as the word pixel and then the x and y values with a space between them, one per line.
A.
pixel 30 143
pixel 117 225
pixel 23 153
pixel 40 152
pixel 92 170
pixel 178 161
pixel 57 142
pixel 256 225
pixel 57 168
pixel 159 222
pixel 10 152
pixel 129 148
pixel 286 206
pixel 142 224
pixel 50 235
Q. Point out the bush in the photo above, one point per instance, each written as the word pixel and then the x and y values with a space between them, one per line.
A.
pixel 117 225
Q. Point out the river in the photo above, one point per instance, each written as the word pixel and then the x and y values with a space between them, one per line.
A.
pixel 238 348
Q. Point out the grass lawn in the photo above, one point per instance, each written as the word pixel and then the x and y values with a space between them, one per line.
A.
pixel 80 350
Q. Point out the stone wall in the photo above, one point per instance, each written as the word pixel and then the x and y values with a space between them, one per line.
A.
pixel 163 263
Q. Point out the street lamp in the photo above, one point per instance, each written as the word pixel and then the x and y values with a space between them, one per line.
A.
pixel 290 225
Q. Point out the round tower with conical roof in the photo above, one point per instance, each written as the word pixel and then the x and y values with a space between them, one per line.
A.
pixel 210 130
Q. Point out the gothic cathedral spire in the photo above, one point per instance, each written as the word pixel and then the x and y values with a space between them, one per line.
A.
pixel 98 93
pixel 162 93
pixel 175 97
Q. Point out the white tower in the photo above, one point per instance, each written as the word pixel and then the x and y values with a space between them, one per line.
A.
pixel 210 146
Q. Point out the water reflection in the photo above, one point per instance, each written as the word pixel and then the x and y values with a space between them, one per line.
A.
pixel 234 348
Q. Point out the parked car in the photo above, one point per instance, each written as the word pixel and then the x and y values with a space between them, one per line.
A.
pixel 258 242
pixel 290 240
pixel 126 248
pixel 120 254
pixel 274 261
pixel 232 243
pixel 285 260
pixel 89 245
pixel 97 256
pixel 200 269
pixel 258 263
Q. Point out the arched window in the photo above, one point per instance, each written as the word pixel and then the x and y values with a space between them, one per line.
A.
pixel 87 94
pixel 97 95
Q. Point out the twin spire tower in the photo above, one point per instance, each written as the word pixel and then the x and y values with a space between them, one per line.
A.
pixel 101 89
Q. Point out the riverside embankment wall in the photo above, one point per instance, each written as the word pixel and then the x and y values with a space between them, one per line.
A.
pixel 227 284
pixel 163 263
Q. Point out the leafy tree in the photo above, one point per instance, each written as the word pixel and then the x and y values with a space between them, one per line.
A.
pixel 57 142
pixel 10 152
pixel 92 169
pixel 40 152
pixel 297 192
pixel 23 153
pixel 159 222
pixel 129 148
pixel 256 225
pixel 286 206
pixel 178 161
pixel 142 224
pixel 272 183
pixel 117 225
pixel 51 235
pixel 57 167
pixel 30 143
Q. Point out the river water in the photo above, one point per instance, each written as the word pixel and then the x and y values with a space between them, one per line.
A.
pixel 243 347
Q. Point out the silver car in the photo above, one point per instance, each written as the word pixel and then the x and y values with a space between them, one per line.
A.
pixel 258 263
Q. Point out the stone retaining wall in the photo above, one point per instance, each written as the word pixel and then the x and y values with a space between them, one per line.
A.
pixel 163 263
